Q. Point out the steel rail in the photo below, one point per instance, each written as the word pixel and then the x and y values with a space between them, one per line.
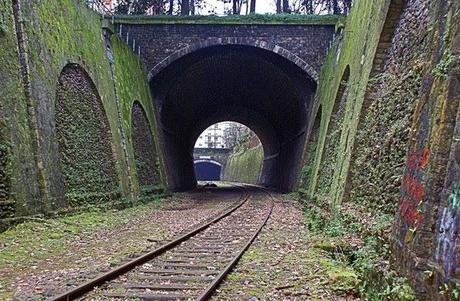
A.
pixel 123 269
pixel 217 281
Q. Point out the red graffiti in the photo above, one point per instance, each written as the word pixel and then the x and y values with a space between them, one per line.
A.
pixel 417 160
pixel 412 162
pixel 413 186
pixel 413 189
pixel 424 158
pixel 409 212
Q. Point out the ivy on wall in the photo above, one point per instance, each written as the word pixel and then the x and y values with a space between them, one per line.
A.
pixel 147 166
pixel 6 205
pixel 245 165
pixel 376 174
pixel 330 151
pixel 84 139
pixel 310 151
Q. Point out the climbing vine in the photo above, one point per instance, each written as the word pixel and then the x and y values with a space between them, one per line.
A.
pixel 147 166
pixel 84 140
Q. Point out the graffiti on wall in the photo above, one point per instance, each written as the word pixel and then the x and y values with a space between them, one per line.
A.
pixel 448 242
pixel 413 189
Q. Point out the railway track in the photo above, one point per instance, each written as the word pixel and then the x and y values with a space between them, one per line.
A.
pixel 191 266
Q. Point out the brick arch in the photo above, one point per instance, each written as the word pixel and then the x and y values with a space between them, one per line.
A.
pixel 208 161
pixel 307 68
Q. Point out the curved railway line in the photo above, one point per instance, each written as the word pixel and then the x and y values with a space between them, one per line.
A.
pixel 189 267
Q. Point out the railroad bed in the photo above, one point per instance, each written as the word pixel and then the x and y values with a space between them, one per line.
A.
pixel 189 267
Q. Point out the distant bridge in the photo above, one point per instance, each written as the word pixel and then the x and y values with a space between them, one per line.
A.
pixel 210 163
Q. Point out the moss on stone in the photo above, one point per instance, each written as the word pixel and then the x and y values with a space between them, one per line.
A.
pixel 59 33
pixel 268 19
pixel 131 84
pixel 245 165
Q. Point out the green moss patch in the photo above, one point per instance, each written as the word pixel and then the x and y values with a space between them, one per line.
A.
pixel 281 19
pixel 245 165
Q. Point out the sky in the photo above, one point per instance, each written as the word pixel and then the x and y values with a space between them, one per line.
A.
pixel 262 6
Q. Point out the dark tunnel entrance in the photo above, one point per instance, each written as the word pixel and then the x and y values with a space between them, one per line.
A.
pixel 207 170
pixel 256 87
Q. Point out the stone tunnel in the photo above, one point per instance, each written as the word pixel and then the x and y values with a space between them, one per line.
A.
pixel 375 104
pixel 255 87
pixel 261 76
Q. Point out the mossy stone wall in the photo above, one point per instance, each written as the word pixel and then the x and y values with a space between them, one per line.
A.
pixel 245 165
pixel 144 148
pixel 396 153
pixel 132 87
pixel 84 141
pixel 16 141
pixel 40 38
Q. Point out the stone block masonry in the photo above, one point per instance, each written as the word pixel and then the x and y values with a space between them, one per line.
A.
pixel 160 44
pixel 48 162
pixel 397 151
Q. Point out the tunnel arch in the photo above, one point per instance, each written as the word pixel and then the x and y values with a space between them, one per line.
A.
pixel 208 170
pixel 256 87
pixel 83 141
pixel 211 42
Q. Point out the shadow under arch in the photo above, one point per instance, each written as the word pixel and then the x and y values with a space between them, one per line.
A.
pixel 255 87
pixel 212 42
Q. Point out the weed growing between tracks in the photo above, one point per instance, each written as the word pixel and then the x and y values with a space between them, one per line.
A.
pixel 284 264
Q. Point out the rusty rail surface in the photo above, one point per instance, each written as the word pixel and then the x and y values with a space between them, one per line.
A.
pixel 187 265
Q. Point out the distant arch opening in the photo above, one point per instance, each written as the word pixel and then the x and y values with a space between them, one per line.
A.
pixel 84 141
pixel 256 87
pixel 208 170
pixel 231 147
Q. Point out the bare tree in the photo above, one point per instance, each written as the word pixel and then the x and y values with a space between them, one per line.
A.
pixel 185 7
pixel 238 5
pixel 171 7
pixel 286 8
pixel 252 8
pixel 278 6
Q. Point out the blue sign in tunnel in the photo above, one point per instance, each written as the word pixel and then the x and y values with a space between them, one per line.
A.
pixel 207 170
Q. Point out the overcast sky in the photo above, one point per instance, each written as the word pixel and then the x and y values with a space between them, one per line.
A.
pixel 262 7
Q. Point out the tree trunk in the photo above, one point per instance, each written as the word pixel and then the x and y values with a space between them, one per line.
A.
pixel 192 7
pixel 171 7
pixel 252 9
pixel 309 7
pixel 278 6
pixel 347 6
pixel 335 7
pixel 235 7
pixel 286 8
pixel 185 8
